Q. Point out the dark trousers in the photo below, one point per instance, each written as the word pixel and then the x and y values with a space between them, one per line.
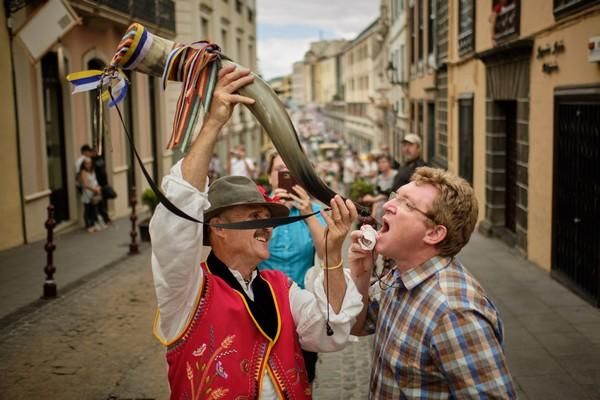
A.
pixel 310 362
pixel 90 214
pixel 103 210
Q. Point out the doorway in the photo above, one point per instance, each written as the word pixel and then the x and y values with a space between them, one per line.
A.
pixel 55 137
pixel 576 205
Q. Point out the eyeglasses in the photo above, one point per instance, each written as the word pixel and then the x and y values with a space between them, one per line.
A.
pixel 408 206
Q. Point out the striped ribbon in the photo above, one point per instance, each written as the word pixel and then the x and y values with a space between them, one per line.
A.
pixel 197 67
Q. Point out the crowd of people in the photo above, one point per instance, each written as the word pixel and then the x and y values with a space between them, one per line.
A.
pixel 248 320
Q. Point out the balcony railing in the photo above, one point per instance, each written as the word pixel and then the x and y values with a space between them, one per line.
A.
pixel 507 21
pixel 160 13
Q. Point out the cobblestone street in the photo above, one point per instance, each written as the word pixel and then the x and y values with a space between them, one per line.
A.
pixel 94 343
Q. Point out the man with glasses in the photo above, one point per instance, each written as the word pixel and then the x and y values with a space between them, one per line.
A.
pixel 437 333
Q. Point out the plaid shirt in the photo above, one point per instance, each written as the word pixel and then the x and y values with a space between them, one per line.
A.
pixel 438 337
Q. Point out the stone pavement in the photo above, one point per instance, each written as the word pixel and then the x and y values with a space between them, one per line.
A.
pixel 78 254
pixel 95 341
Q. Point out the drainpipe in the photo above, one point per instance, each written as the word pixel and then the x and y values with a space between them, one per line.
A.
pixel 9 22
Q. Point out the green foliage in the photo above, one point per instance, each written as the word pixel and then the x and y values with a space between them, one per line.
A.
pixel 149 199
pixel 360 188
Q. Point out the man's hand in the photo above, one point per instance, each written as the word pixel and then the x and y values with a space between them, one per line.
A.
pixel 301 200
pixel 343 215
pixel 194 167
pixel 360 261
pixel 225 95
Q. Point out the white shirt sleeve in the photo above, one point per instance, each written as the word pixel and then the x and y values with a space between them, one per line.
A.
pixel 177 253
pixel 309 311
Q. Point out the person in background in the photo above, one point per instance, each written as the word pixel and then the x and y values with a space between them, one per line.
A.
pixel 411 152
pixel 240 165
pixel 437 333
pixel 383 185
pixel 350 171
pixel 293 246
pixel 385 150
pixel 214 167
pixel 102 180
pixel 369 168
pixel 91 195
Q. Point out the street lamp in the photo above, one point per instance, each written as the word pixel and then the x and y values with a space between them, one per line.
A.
pixel 392 74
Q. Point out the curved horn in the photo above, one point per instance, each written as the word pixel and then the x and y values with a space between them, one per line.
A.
pixel 271 114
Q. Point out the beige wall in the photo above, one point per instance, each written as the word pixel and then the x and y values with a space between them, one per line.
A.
pixel 11 233
pixel 465 78
pixel 574 69
pixel 220 16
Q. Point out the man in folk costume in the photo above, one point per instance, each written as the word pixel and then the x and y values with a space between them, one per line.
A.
pixel 231 330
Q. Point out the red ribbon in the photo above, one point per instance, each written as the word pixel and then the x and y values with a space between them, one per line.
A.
pixel 268 199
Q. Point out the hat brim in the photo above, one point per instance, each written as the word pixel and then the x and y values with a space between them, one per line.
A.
pixel 277 211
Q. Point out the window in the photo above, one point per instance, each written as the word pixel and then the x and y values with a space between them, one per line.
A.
pixel 250 16
pixel 466 37
pixel 420 23
pixel 238 6
pixel 238 48
pixel 205 28
pixel 413 34
pixel 465 133
pixel 431 28
pixel 565 7
pixel 224 39
pixel 400 65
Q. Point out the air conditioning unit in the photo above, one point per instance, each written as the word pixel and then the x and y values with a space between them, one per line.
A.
pixel 51 22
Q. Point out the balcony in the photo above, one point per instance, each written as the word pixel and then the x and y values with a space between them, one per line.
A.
pixel 157 14
pixel 507 21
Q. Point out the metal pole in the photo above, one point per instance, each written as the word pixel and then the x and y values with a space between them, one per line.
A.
pixel 49 269
pixel 133 246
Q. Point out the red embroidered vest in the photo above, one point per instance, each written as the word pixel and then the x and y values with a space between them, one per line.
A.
pixel 224 354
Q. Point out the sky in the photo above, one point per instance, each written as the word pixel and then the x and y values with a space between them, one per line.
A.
pixel 285 28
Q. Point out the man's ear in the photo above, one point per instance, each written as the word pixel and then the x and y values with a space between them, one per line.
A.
pixel 435 235
pixel 216 231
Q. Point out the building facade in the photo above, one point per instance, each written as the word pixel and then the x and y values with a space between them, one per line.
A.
pixel 523 95
pixel 397 73
pixel 232 25
pixel 51 125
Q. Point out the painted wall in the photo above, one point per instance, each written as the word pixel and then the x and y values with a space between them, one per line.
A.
pixel 574 69
pixel 465 78
pixel 12 233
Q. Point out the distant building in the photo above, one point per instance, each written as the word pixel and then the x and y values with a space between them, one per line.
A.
pixel 282 85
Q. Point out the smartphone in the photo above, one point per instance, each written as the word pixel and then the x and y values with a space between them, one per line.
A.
pixel 286 181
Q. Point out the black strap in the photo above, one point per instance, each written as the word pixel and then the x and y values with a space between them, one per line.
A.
pixel 252 224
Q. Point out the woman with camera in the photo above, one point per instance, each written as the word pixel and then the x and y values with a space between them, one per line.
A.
pixel 293 246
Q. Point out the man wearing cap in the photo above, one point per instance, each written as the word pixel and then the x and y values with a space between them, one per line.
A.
pixel 231 330
pixel 411 150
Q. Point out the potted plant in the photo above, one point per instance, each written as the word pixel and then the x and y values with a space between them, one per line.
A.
pixel 150 200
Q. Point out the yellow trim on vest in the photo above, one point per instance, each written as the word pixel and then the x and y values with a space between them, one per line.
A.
pixel 276 382
pixel 185 328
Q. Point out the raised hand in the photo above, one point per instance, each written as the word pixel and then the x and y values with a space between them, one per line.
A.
pixel 339 223
pixel 225 96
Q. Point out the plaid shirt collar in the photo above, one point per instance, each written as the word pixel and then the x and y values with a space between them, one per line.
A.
pixel 415 276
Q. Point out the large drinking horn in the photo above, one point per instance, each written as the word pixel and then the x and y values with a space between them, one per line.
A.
pixel 142 51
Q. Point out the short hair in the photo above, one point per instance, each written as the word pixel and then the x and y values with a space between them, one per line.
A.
pixel 384 157
pixel 85 147
pixel 455 207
